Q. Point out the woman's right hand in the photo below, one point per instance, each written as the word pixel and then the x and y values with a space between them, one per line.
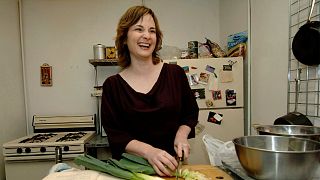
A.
pixel 162 162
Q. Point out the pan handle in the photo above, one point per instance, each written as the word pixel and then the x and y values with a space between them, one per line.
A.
pixel 297 80
pixel 255 126
pixel 312 6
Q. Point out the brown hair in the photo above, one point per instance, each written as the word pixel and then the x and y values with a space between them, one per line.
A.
pixel 128 19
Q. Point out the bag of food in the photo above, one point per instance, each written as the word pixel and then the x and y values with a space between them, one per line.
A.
pixel 215 49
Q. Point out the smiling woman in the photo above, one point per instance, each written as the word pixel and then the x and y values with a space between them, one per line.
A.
pixel 148 109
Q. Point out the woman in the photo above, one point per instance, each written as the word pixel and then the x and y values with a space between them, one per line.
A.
pixel 147 109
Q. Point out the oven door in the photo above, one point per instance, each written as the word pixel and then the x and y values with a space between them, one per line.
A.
pixel 34 167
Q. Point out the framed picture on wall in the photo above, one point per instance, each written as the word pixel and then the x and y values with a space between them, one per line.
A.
pixel 46 75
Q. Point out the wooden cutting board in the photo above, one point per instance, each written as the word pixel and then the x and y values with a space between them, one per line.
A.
pixel 208 170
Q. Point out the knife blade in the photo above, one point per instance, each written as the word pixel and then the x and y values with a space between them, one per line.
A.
pixel 180 160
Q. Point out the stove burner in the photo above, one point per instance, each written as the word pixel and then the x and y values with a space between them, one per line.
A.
pixel 72 137
pixel 38 138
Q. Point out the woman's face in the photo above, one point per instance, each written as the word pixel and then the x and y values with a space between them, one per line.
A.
pixel 142 38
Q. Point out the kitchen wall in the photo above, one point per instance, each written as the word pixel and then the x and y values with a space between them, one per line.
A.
pixel 12 109
pixel 269 60
pixel 62 32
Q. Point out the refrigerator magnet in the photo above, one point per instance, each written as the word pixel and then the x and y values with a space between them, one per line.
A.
pixel 199 93
pixel 199 128
pixel 186 69
pixel 231 98
pixel 226 76
pixel 204 78
pixel 216 95
pixel 193 67
pixel 227 67
pixel 210 68
pixel 215 117
pixel 209 103
pixel 213 84
pixel 193 79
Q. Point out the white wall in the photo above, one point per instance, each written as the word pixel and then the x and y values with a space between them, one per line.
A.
pixel 62 33
pixel 269 57
pixel 233 18
pixel 187 20
pixel 12 111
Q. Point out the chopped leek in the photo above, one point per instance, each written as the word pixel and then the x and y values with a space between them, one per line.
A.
pixel 192 175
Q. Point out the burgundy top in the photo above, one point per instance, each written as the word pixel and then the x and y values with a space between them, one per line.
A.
pixel 154 117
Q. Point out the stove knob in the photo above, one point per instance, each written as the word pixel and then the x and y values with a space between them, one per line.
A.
pixel 43 149
pixel 66 148
pixel 27 150
pixel 19 150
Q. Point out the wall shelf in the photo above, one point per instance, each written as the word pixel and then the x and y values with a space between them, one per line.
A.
pixel 103 62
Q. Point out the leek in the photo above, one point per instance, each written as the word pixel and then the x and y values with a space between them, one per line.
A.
pixel 125 168
pixel 136 167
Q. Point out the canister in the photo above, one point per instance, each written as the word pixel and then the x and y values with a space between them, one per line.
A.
pixel 99 51
pixel 193 49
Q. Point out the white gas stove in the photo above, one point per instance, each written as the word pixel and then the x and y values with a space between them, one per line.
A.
pixel 55 139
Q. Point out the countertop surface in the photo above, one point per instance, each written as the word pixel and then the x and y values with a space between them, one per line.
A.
pixel 210 171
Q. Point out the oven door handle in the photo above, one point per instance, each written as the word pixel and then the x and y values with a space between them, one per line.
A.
pixel 39 158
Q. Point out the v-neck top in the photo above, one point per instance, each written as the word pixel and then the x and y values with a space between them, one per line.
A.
pixel 130 87
pixel 152 117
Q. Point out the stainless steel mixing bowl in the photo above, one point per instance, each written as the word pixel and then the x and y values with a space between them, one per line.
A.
pixel 278 157
pixel 300 131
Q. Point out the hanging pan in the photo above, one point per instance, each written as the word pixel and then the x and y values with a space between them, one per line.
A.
pixel 294 118
pixel 306 42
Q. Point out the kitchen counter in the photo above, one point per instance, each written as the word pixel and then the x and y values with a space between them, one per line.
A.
pixel 210 171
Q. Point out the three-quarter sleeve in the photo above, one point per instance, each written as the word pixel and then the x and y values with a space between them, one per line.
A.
pixel 117 135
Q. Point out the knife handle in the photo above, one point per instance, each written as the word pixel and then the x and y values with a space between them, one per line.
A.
pixel 182 158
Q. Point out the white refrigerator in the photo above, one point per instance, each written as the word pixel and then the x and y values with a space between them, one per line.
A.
pixel 217 84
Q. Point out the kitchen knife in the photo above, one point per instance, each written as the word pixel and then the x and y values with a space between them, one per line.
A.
pixel 180 160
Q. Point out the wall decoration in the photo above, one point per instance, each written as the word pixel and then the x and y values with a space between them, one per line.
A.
pixel 46 75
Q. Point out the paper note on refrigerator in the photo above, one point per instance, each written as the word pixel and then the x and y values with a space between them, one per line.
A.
pixel 213 83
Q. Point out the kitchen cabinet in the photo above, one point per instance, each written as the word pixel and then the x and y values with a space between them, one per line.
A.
pixel 99 79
